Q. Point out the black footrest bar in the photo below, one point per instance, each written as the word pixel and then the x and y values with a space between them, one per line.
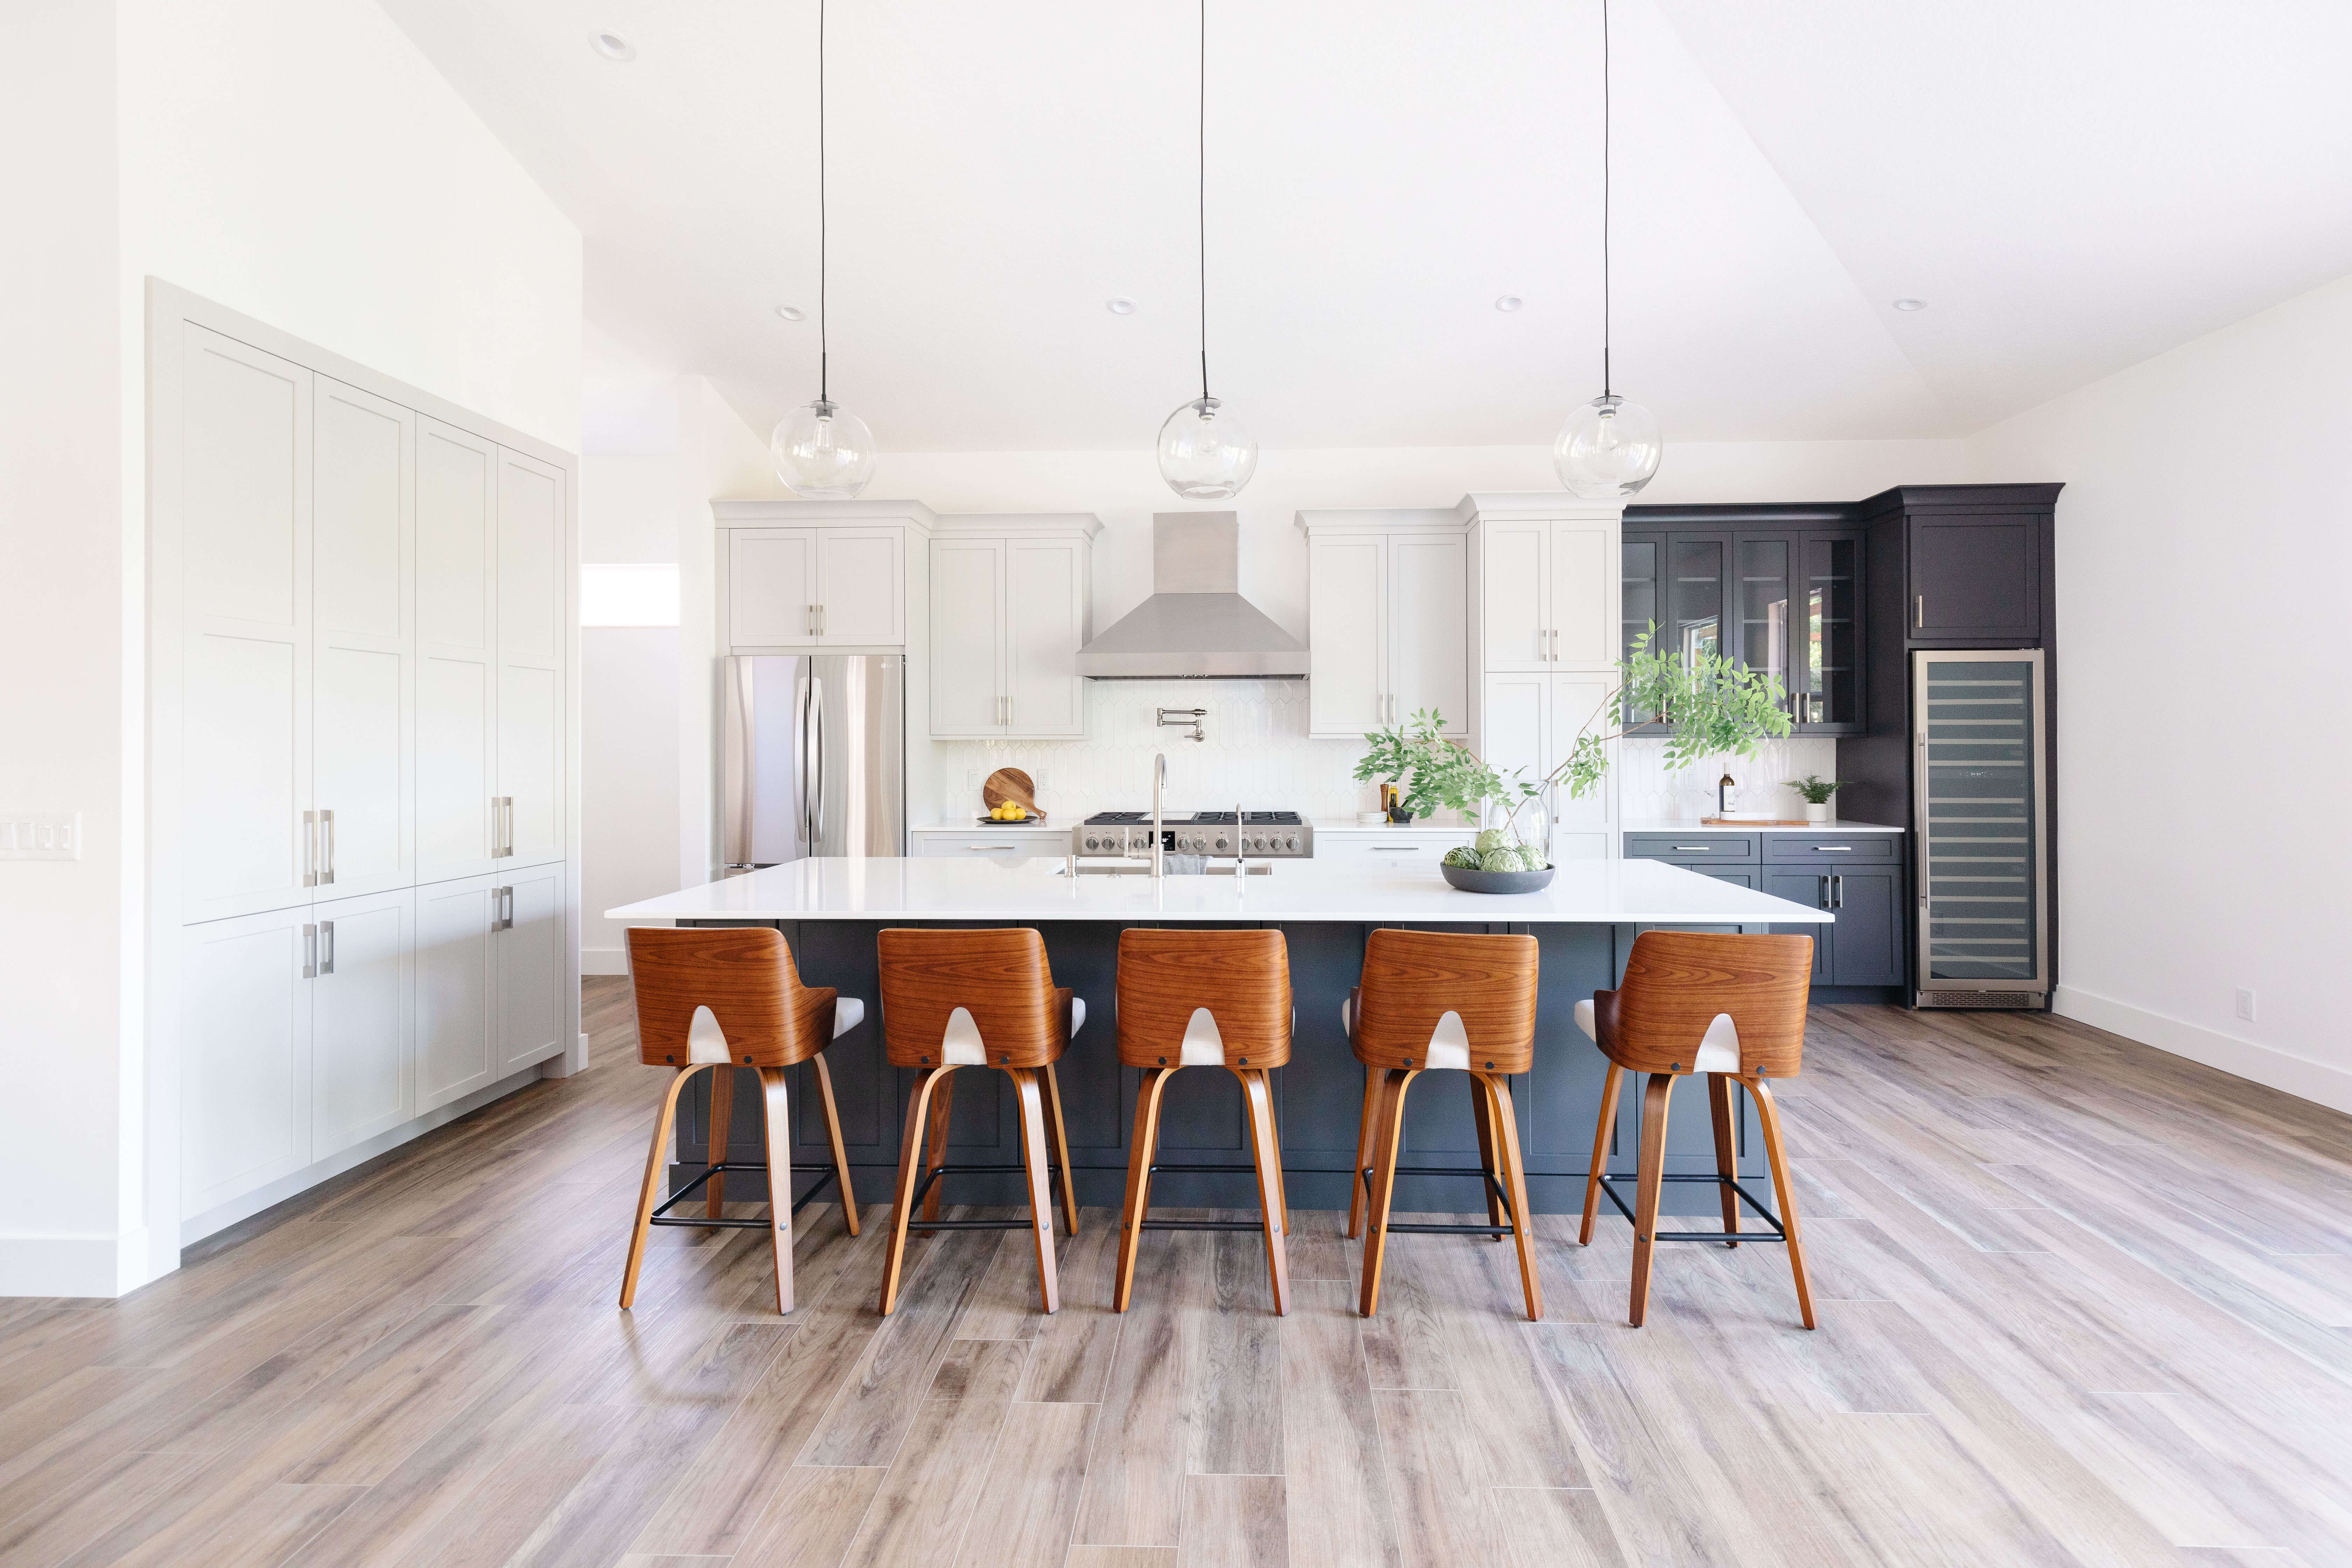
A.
pixel 663 1216
pixel 1502 1194
pixel 935 1172
pixel 1775 1234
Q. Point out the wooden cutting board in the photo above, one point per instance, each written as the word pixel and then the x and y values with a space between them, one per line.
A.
pixel 1757 821
pixel 1010 786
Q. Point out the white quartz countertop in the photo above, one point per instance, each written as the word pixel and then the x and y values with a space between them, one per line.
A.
pixel 1672 827
pixel 1584 892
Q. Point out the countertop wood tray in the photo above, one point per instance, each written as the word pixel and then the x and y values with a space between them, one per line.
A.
pixel 1756 822
pixel 1010 786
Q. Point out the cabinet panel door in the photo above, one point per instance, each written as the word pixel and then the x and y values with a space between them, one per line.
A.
pixel 1347 603
pixel 1763 606
pixel 1513 559
pixel 861 587
pixel 456 1027
pixel 1811 890
pixel 1584 609
pixel 362 1020
pixel 457 656
pixel 1698 573
pixel 530 971
pixel 1576 702
pixel 771 588
pixel 1977 577
pixel 244 1056
pixel 1830 636
pixel 1045 611
pixel 1642 598
pixel 1429 627
pixel 247 595
pixel 966 637
pixel 364 692
pixel 534 615
pixel 1869 946
pixel 1517 733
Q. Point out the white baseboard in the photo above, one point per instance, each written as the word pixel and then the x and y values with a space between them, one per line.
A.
pixel 2300 1075
pixel 98 1265
pixel 603 961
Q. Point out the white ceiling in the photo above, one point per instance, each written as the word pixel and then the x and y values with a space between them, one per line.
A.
pixel 2072 185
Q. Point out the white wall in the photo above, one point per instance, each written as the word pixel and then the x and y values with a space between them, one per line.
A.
pixel 67 975
pixel 2204 534
pixel 297 160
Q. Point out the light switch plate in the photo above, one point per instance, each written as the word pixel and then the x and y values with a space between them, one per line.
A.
pixel 41 835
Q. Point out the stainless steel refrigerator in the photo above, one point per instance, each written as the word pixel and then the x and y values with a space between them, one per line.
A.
pixel 1982 873
pixel 814 758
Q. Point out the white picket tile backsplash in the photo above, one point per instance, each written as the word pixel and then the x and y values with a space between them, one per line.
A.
pixel 1257 756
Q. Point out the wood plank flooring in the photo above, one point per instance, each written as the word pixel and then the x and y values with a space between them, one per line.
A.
pixel 2080 1303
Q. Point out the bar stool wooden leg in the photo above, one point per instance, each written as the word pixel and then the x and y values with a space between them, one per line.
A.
pixel 779 1126
pixel 1478 1114
pixel 1390 1132
pixel 942 1109
pixel 1727 1147
pixel 1366 1123
pixel 1141 1149
pixel 1266 1151
pixel 840 1149
pixel 721 1128
pixel 1041 1201
pixel 1649 1183
pixel 1767 1112
pixel 1496 1089
pixel 1061 1151
pixel 649 1194
pixel 1610 1085
pixel 910 1172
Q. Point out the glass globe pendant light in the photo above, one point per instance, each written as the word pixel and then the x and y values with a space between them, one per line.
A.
pixel 1609 449
pixel 821 449
pixel 1207 453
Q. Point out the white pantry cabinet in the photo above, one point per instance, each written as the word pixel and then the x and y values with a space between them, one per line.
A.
pixel 814 588
pixel 490 973
pixel 1009 611
pixel 1388 618
pixel 362 650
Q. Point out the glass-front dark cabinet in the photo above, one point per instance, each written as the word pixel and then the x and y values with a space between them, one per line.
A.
pixel 1785 602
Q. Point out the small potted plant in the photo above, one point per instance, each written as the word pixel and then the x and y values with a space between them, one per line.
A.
pixel 1817 793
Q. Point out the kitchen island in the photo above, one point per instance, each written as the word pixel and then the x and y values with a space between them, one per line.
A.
pixel 1585 921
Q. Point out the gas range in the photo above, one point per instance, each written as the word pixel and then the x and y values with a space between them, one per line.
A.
pixel 1266 833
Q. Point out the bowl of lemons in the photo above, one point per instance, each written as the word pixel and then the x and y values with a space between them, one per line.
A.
pixel 1012 812
pixel 1496 865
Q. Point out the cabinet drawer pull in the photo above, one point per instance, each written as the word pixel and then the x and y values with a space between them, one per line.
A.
pixel 983 849
pixel 1837 892
pixel 1396 848
pixel 326 947
pixel 1697 849
pixel 1922 612
pixel 309 952
pixel 1833 848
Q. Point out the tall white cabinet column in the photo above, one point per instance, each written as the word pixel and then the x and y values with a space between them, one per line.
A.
pixel 1544 586
pixel 1388 627
pixel 363 646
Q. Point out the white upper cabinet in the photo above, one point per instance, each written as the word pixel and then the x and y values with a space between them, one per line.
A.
pixel 245 629
pixel 363 688
pixel 861 587
pixel 806 575
pixel 1547 583
pixel 1009 611
pixel 1388 621
pixel 534 620
pixel 458 830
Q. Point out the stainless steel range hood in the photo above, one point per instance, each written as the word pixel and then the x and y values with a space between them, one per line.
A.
pixel 1196 624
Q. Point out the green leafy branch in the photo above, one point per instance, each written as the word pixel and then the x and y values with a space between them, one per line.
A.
pixel 1716 705
pixel 1433 772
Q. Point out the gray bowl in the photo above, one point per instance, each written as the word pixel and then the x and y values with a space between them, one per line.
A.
pixel 1470 881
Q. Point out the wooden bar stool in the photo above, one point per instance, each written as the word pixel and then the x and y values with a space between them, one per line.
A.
pixel 1732 1007
pixel 977 998
pixel 1430 1001
pixel 1204 998
pixel 723 998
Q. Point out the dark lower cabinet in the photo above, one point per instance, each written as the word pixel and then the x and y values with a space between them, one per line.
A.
pixel 1866 949
pixel 1806 887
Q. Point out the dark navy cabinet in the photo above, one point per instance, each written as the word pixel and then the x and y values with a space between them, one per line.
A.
pixel 1859 877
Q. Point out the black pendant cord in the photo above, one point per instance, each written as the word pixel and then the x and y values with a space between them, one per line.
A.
pixel 1604 199
pixel 823 337
pixel 1201 165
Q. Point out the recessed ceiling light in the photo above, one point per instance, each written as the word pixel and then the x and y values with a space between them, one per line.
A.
pixel 1910 304
pixel 1508 303
pixel 1119 305
pixel 792 312
pixel 610 45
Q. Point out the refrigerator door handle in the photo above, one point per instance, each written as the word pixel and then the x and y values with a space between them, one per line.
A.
pixel 816 760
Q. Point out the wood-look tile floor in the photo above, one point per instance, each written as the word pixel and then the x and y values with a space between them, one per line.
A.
pixel 2080 1302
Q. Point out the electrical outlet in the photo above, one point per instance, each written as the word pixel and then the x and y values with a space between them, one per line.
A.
pixel 41 835
pixel 2246 1004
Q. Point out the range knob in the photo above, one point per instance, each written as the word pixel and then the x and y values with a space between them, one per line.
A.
pixel 1292 842
pixel 1092 842
pixel 1220 841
